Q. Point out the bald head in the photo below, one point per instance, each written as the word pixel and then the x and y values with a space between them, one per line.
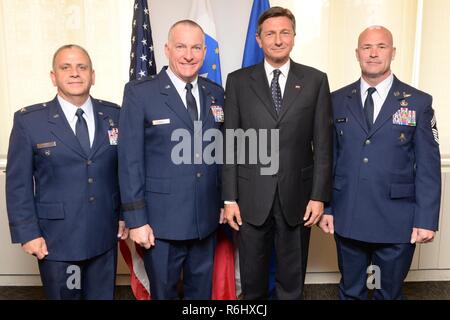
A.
pixel 378 30
pixel 184 24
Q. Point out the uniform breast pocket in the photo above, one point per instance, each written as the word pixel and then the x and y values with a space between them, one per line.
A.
pixel 45 148
pixel 340 128
pixel 403 134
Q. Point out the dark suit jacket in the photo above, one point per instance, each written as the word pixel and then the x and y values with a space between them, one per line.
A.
pixel 179 201
pixel 387 180
pixel 305 140
pixel 55 190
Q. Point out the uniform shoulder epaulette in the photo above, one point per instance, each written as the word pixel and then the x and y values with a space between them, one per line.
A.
pixel 108 104
pixel 35 107
pixel 142 80
pixel 211 82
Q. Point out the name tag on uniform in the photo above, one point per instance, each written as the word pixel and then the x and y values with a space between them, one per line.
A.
pixel 46 145
pixel 113 135
pixel 218 114
pixel 160 122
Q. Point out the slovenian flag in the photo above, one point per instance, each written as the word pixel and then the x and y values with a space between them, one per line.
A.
pixel 202 14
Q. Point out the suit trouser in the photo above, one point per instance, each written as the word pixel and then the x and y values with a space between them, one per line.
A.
pixel 168 259
pixel 291 250
pixel 392 261
pixel 91 279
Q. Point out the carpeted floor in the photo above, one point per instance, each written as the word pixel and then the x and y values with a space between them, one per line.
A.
pixel 412 290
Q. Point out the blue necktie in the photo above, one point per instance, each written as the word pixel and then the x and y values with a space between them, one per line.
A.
pixel 82 133
pixel 368 107
pixel 190 102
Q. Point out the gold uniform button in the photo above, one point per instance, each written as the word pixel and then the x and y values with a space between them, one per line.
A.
pixel 368 142
pixel 91 180
pixel 366 160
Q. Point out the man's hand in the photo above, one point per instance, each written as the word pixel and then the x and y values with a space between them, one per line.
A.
pixel 36 247
pixel 422 235
pixel 326 223
pixel 123 231
pixel 143 236
pixel 233 215
pixel 313 213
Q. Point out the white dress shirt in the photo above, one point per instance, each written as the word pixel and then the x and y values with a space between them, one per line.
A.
pixel 180 86
pixel 379 96
pixel 283 76
pixel 70 111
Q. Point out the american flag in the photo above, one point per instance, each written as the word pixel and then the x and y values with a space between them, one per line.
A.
pixel 142 64
pixel 142 57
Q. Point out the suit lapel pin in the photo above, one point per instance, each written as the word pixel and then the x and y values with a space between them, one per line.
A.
pixel 167 87
pixel 298 87
pixel 404 103
pixel 111 122
pixel 100 113
pixel 402 137
pixel 396 93
pixel 354 91
pixel 47 152
pixel 56 116
pixel 406 95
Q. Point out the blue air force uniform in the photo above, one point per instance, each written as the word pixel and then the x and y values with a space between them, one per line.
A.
pixel 180 201
pixel 56 191
pixel 387 181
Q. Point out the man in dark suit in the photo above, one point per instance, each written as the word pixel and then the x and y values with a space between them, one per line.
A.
pixel 387 176
pixel 293 99
pixel 170 194
pixel 62 188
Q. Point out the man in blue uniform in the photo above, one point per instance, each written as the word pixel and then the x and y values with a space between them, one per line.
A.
pixel 172 207
pixel 62 189
pixel 387 176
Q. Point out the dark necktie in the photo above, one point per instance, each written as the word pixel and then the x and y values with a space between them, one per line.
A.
pixel 82 133
pixel 276 91
pixel 190 102
pixel 368 107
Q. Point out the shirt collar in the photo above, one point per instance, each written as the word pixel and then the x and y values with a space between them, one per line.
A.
pixel 382 88
pixel 284 68
pixel 179 84
pixel 70 109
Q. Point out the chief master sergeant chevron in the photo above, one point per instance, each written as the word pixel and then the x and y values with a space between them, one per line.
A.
pixel 62 190
pixel 387 172
pixel 176 204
